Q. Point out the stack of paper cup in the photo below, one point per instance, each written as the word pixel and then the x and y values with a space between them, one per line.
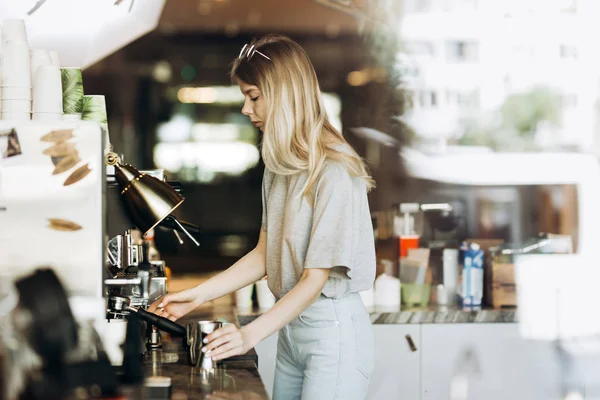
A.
pixel 13 29
pixel 243 297
pixel 39 57
pixel 265 298
pixel 72 92
pixel 16 71
pixel 47 94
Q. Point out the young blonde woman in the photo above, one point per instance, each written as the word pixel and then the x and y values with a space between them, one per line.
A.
pixel 316 243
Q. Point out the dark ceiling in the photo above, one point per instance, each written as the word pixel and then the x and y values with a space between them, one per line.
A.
pixel 209 33
pixel 238 16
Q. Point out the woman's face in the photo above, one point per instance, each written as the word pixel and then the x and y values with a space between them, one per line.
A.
pixel 254 104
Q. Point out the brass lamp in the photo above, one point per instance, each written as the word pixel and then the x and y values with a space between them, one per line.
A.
pixel 148 200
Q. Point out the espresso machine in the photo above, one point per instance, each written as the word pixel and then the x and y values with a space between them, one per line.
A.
pixel 137 201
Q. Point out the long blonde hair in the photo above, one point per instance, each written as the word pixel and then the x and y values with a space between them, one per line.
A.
pixel 296 123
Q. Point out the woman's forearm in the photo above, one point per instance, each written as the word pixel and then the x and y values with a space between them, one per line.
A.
pixel 289 306
pixel 245 271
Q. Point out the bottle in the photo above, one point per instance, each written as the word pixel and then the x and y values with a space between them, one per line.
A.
pixel 409 239
pixel 451 273
pixel 387 287
pixel 442 295
pixel 472 281
pixel 387 291
pixel 153 253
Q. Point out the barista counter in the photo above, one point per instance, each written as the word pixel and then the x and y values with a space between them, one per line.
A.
pixel 432 314
pixel 424 315
pixel 442 315
pixel 418 352
pixel 237 378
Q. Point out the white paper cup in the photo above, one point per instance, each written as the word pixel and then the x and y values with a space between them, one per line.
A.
pixel 17 106
pixel 16 116
pixel 16 93
pixel 16 64
pixel 47 90
pixel 47 116
pixel 265 298
pixel 13 29
pixel 39 57
pixel 54 58
pixel 243 297
pixel 115 333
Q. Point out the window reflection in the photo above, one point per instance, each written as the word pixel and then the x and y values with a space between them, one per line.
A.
pixel 208 139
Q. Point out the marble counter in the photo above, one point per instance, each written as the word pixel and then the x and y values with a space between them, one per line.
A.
pixel 426 315
pixel 442 315
pixel 432 314
pixel 236 378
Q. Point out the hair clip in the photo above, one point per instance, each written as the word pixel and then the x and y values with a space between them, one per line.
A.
pixel 248 52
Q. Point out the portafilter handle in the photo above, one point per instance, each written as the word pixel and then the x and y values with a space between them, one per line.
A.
pixel 160 322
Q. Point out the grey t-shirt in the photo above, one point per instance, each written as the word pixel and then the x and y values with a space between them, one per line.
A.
pixel 335 232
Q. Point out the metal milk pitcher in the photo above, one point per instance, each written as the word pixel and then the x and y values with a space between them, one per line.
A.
pixel 196 332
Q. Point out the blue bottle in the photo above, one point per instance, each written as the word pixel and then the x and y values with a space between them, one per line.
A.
pixel 472 276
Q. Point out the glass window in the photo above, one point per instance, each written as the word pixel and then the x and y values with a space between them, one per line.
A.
pixel 462 51
pixel 417 5
pixel 420 48
pixel 568 51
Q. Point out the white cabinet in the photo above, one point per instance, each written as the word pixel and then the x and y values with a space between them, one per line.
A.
pixel 397 368
pixel 501 365
pixel 267 354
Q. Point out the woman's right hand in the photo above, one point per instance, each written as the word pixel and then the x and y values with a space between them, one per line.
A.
pixel 175 305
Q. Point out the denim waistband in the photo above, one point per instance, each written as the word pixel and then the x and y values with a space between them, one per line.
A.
pixel 348 297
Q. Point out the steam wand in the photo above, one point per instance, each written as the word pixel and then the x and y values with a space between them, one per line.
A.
pixel 186 232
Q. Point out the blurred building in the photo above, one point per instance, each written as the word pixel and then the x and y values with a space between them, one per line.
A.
pixel 463 59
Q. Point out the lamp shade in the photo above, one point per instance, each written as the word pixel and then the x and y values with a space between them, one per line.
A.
pixel 147 199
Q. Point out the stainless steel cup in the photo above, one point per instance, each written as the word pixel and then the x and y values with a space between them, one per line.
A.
pixel 196 332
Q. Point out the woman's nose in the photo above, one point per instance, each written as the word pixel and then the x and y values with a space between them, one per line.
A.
pixel 246 109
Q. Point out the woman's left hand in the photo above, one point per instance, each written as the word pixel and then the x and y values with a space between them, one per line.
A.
pixel 227 342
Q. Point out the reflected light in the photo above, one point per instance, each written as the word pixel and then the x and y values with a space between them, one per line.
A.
pixel 162 72
pixel 211 94
pixel 215 132
pixel 232 245
pixel 232 29
pixel 175 130
pixel 357 78
pixel 201 95
pixel 209 158
pixel 364 76
pixel 204 8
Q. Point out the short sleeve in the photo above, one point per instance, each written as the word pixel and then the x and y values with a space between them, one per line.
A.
pixel 266 188
pixel 330 244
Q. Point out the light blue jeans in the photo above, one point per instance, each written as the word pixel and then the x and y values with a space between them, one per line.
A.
pixel 327 353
